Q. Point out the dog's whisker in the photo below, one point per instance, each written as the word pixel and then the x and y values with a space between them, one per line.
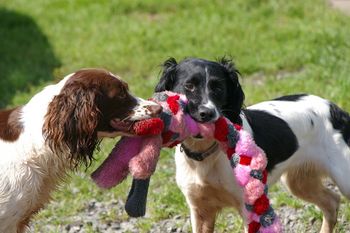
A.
pixel 226 110
pixel 131 125
pixel 126 118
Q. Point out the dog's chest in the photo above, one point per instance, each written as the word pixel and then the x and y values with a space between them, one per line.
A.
pixel 211 177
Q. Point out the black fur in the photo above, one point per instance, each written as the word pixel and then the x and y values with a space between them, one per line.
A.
pixel 273 135
pixel 312 122
pixel 233 107
pixel 167 79
pixel 221 78
pixel 223 85
pixel 293 98
pixel 340 121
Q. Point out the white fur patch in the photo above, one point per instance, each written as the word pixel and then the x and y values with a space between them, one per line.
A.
pixel 26 162
pixel 320 145
pixel 212 106
pixel 141 110
pixel 209 104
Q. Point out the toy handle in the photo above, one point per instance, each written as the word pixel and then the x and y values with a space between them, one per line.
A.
pixel 135 204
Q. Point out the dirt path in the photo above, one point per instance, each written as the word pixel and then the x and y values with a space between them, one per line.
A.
pixel 342 5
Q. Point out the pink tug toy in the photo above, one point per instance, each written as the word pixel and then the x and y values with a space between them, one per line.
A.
pixel 139 156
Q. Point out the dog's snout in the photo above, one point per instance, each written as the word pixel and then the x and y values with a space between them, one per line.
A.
pixel 145 109
pixel 206 114
pixel 154 109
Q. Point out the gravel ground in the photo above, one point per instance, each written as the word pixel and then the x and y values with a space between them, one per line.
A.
pixel 87 221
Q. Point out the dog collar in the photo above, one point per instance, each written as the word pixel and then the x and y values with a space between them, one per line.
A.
pixel 199 156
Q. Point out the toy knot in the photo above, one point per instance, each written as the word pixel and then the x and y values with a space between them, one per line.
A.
pixel 152 126
pixel 221 129
pixel 173 103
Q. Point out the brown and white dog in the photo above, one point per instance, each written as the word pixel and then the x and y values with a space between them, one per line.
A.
pixel 305 137
pixel 58 129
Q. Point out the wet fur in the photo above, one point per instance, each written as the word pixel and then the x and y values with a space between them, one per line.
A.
pixel 53 133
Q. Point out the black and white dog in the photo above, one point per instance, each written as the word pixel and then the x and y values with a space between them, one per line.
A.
pixel 305 137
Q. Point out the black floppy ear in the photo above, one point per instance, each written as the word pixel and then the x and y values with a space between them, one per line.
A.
pixel 167 78
pixel 235 93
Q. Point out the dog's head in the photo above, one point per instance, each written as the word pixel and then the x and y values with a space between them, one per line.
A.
pixel 92 104
pixel 212 88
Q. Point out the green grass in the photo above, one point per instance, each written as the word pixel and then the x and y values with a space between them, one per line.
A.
pixel 280 47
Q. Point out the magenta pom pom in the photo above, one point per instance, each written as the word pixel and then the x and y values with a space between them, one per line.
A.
pixel 242 174
pixel 253 190
pixel 259 162
pixel 253 217
pixel 207 130
pixel 192 126
pixel 246 145
pixel 275 227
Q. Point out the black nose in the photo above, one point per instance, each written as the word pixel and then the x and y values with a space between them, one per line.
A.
pixel 206 114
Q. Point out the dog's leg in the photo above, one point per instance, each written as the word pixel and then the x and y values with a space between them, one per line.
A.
pixel 339 169
pixel 205 204
pixel 203 209
pixel 305 182
pixel 23 225
pixel 203 218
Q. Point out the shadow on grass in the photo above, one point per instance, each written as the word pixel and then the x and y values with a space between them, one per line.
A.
pixel 26 57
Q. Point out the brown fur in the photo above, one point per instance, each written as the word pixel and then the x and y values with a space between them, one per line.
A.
pixel 206 202
pixel 76 113
pixel 305 182
pixel 10 126
pixel 206 198
pixel 87 103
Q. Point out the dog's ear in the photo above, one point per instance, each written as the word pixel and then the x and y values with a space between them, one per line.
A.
pixel 235 100
pixel 167 78
pixel 71 122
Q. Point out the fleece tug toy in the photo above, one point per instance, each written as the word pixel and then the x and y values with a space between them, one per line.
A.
pixel 139 156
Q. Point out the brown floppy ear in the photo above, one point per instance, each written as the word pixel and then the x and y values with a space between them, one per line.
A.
pixel 71 121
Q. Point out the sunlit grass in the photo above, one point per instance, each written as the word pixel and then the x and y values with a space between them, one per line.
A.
pixel 280 47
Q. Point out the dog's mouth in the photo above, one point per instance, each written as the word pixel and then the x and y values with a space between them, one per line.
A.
pixel 123 126
pixel 198 136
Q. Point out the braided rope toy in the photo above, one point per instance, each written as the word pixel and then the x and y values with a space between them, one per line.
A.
pixel 139 156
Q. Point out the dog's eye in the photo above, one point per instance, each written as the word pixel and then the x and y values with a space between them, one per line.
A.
pixel 189 87
pixel 216 86
pixel 122 95
pixel 218 89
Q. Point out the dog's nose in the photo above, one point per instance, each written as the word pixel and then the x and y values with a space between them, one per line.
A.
pixel 155 109
pixel 206 114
